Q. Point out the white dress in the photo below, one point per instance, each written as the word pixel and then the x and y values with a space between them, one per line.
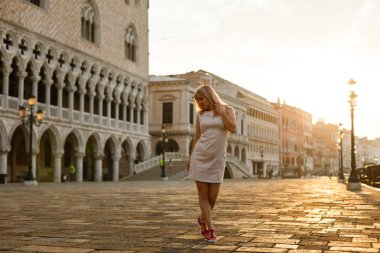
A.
pixel 208 159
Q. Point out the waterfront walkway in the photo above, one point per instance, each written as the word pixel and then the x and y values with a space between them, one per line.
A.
pixel 290 215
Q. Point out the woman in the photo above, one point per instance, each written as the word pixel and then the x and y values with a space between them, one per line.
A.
pixel 207 160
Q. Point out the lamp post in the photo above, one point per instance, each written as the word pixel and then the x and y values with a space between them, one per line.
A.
pixel 262 161
pixel 376 157
pixel 353 180
pixel 162 162
pixel 210 78
pixel 340 136
pixel 31 119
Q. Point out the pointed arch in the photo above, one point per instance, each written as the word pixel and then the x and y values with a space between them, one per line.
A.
pixel 90 21
pixel 131 42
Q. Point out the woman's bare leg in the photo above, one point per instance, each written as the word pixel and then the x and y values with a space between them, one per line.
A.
pixel 207 193
pixel 204 204
pixel 213 194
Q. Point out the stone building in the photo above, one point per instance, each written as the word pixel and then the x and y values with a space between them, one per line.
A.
pixel 326 136
pixel 254 129
pixel 297 141
pixel 86 61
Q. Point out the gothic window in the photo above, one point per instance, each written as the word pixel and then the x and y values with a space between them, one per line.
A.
pixel 135 113
pixel 141 117
pixel 87 98
pixel 129 113
pixel 89 28
pixel 41 86
pixel 39 3
pixel 77 95
pixel 130 45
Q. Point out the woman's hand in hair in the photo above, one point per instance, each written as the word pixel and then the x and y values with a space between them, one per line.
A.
pixel 220 109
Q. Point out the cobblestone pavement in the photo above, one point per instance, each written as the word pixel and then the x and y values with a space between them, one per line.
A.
pixel 292 215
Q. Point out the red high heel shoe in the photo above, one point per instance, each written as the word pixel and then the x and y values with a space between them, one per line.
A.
pixel 200 223
pixel 210 235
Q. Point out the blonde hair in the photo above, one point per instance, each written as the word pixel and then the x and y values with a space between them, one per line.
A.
pixel 210 94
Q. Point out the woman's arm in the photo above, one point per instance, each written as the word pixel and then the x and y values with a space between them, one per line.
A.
pixel 228 117
pixel 197 135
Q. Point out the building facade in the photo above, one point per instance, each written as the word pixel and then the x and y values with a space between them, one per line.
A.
pixel 256 142
pixel 297 143
pixel 86 62
pixel 326 136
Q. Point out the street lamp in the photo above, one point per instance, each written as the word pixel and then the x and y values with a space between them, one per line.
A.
pixel 376 157
pixel 162 162
pixel 262 161
pixel 340 136
pixel 210 78
pixel 31 120
pixel 353 180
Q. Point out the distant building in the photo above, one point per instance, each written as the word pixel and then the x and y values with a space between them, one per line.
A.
pixel 326 136
pixel 297 142
pixel 87 64
pixel 255 144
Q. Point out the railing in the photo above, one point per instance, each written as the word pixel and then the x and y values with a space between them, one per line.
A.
pixel 176 156
pixel 86 118
pixel 13 103
pixel 53 111
pixel 76 115
pixel 239 165
pixel 146 165
pixel 65 113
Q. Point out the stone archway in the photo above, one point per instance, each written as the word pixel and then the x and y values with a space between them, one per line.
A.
pixel 237 152
pixel 140 152
pixel 89 160
pixel 229 149
pixel 18 157
pixel 70 147
pixel 126 160
pixel 170 146
pixel 107 167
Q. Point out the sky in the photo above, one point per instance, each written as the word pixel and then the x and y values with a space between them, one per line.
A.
pixel 301 51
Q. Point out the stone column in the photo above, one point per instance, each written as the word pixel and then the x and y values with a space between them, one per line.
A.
pixel 131 114
pixel 145 119
pixel 57 166
pixel 35 80
pixel 98 168
pixel 21 76
pixel 48 83
pixel 6 72
pixel 3 161
pixel 100 108
pixel 109 100
pixel 125 112
pixel 79 166
pixel 138 116
pixel 59 104
pixel 82 92
pixel 115 172
pixel 92 95
pixel 71 90
pixel 117 111
pixel 131 164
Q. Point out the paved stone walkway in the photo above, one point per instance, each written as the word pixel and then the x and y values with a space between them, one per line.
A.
pixel 292 215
